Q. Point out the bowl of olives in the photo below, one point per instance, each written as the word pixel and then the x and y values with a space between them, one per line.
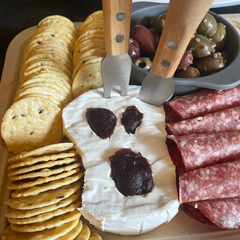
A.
pixel 211 60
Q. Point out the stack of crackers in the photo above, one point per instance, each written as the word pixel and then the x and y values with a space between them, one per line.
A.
pixel 35 118
pixel 89 50
pixel 46 185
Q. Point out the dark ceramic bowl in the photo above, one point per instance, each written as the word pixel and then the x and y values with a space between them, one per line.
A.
pixel 227 78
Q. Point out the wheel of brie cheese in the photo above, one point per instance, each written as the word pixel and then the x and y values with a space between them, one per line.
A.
pixel 103 205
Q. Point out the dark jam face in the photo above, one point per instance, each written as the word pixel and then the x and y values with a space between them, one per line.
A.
pixel 131 172
pixel 102 121
pixel 131 119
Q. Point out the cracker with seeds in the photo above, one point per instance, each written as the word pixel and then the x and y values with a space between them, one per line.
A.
pixel 38 181
pixel 45 198
pixel 51 223
pixel 31 123
pixel 19 214
pixel 46 216
pixel 28 161
pixel 48 234
pixel 43 166
pixel 46 172
pixel 46 150
pixel 33 191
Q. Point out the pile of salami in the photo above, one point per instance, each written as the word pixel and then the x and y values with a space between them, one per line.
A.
pixel 204 144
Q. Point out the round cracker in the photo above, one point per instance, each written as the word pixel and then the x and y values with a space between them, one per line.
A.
pixel 97 15
pixel 94 236
pixel 43 166
pixel 88 77
pixel 94 25
pixel 31 161
pixel 31 123
pixel 47 234
pixel 57 102
pixel 51 56
pixel 46 73
pixel 73 233
pixel 15 213
pixel 86 61
pixel 84 234
pixel 33 191
pixel 39 181
pixel 45 198
pixel 46 150
pixel 46 172
pixel 46 216
pixel 51 223
pixel 97 52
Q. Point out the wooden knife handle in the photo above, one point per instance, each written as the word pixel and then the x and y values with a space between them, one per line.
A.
pixel 182 20
pixel 116 18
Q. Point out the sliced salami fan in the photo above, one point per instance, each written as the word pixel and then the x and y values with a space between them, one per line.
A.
pixel 200 103
pixel 200 150
pixel 222 121
pixel 225 213
pixel 214 182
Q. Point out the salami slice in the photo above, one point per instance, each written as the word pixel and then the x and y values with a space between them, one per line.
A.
pixel 225 213
pixel 201 103
pixel 214 182
pixel 195 213
pixel 200 150
pixel 221 121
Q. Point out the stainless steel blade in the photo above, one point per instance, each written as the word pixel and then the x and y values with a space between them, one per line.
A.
pixel 116 71
pixel 155 89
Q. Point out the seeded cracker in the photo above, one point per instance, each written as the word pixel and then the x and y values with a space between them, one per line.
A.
pixel 33 160
pixel 31 123
pixel 51 223
pixel 46 150
pixel 47 186
pixel 84 234
pixel 45 216
pixel 45 198
pixel 28 183
pixel 46 172
pixel 43 166
pixel 15 213
pixel 48 234
pixel 88 77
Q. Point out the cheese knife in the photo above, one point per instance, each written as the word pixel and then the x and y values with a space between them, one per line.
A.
pixel 116 65
pixel 182 20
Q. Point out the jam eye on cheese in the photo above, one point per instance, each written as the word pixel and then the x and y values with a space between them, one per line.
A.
pixel 102 121
pixel 131 172
pixel 131 119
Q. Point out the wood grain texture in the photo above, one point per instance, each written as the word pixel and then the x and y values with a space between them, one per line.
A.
pixel 112 27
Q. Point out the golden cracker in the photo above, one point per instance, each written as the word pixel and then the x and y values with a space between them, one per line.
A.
pixel 31 123
pixel 33 191
pixel 84 234
pixel 28 183
pixel 15 213
pixel 45 198
pixel 45 216
pixel 48 234
pixel 46 172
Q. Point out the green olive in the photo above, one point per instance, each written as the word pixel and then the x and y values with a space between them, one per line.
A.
pixel 208 26
pixel 158 22
pixel 211 64
pixel 189 72
pixel 200 46
pixel 220 36
pixel 144 63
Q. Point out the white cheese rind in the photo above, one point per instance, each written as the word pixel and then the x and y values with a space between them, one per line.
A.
pixel 102 204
